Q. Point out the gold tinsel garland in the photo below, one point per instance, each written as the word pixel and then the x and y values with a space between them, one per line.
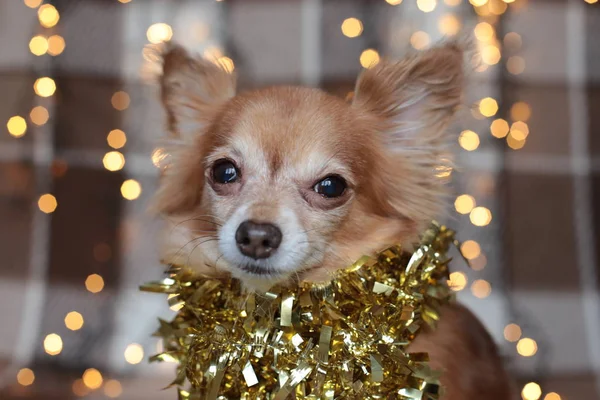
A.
pixel 346 339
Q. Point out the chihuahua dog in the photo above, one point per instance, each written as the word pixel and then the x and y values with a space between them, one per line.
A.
pixel 288 183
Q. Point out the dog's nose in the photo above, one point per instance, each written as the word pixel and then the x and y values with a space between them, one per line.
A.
pixel 257 240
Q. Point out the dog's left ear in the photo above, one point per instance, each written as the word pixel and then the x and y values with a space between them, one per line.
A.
pixel 415 98
pixel 411 103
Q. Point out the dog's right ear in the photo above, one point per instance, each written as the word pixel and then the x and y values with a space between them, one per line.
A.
pixel 192 88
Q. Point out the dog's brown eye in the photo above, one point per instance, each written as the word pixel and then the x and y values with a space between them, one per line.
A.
pixel 332 186
pixel 224 172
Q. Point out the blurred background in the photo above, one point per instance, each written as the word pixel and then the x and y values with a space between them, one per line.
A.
pixel 80 153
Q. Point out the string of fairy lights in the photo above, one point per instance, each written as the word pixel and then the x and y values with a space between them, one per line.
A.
pixel 513 130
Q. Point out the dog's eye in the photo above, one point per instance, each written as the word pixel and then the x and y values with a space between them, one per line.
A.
pixel 224 172
pixel 332 186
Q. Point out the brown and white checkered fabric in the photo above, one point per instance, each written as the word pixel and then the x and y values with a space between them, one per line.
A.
pixel 541 246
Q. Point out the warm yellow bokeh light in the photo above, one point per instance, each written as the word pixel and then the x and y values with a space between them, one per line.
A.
pixel 17 126
pixel 113 161
pixel 79 389
pixel 464 204
pixel 481 288
pixel 56 45
pixel 44 87
pixel 478 3
pixel 74 321
pixel 393 2
pixel 226 63
pixel 369 58
pixel 131 189
pixel 352 27
pixel 515 65
pixel 497 7
pixel 519 130
pixel 53 344
pixel 512 332
pixel 520 111
pixel 552 396
pixel 488 107
pixel 457 281
pixel 94 283
pixel 514 143
pixel 25 377
pixel 113 388
pixel 134 353
pixel 470 249
pixel 452 3
pixel 420 40
pixel 531 391
pixel 426 5
pixel 591 1
pixel 449 24
pixel 33 3
pixel 48 15
pixel 499 128
pixel 116 138
pixel 124 1
pixel 47 203
pixel 480 216
pixel 468 140
pixel 158 33
pixel 39 115
pixel 484 32
pixel 513 41
pixel 527 347
pixel 38 45
pixel 92 378
pixel 158 156
pixel 120 100
pixel 490 55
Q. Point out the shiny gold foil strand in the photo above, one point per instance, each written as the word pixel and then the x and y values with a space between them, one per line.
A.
pixel 268 338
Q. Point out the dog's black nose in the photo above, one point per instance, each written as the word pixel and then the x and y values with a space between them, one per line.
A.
pixel 257 240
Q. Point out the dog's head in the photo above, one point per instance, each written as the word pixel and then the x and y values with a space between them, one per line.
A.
pixel 288 182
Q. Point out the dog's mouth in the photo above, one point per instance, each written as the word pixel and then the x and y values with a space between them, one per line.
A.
pixel 259 270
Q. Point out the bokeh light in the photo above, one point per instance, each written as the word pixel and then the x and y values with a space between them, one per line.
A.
pixel 480 216
pixel 478 263
pixel 481 288
pixel 38 45
pixel 468 140
pixel 552 396
pixel 92 378
pixel 513 41
pixel 159 33
pixel 484 32
pixel 17 126
pixel 79 389
pixel 134 353
pixel 25 377
pixel 369 58
pixel 158 156
pixel 515 65
pixel 74 321
pixel 449 24
pixel 478 3
pixel 131 189
pixel 531 391
pixel 116 138
pixel 519 130
pixel 499 128
pixel 464 204
pixel 512 332
pixel 112 388
pixel 53 344
pixel 33 3
pixel 226 63
pixel 520 111
pixel 426 5
pixel 420 40
pixel 457 281
pixel 94 283
pixel 352 27
pixel 470 249
pixel 452 3
pixel 113 161
pixel 393 2
pixel 56 45
pixel 514 143
pixel 488 107
pixel 47 203
pixel 44 86
pixel 527 347
pixel 48 15
pixel 490 55
pixel 120 100
pixel 39 115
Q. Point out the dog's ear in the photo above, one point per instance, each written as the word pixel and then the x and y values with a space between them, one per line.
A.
pixel 412 103
pixel 192 89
